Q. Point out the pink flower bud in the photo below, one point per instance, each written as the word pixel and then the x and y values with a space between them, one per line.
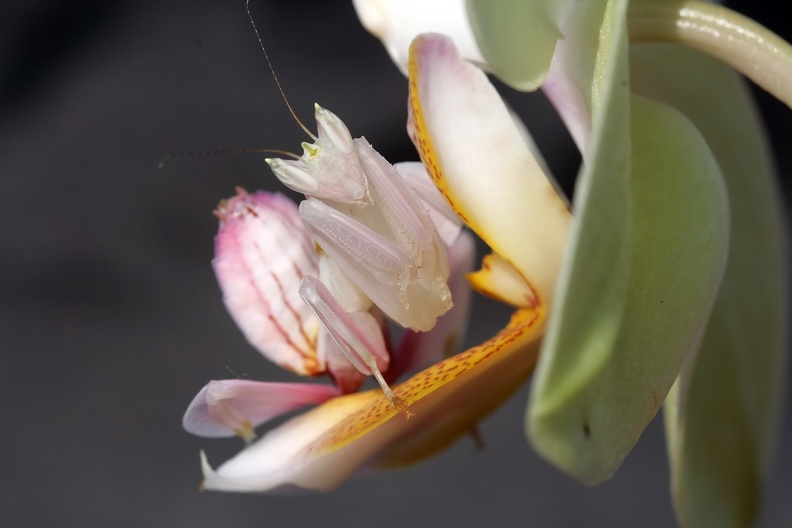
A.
pixel 262 251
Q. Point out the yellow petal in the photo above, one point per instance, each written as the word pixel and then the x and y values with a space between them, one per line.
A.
pixel 501 281
pixel 320 449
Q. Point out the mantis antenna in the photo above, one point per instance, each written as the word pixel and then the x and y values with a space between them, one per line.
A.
pixel 213 152
pixel 274 76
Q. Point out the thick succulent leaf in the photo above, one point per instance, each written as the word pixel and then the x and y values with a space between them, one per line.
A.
pixel 592 286
pixel 517 37
pixel 320 449
pixel 587 420
pixel 720 417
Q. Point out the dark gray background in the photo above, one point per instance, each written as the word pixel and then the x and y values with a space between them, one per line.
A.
pixel 111 319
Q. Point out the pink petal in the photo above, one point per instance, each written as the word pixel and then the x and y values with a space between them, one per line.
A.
pixel 262 250
pixel 562 87
pixel 234 407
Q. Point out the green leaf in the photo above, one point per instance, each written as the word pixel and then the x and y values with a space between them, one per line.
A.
pixel 720 418
pixel 600 240
pixel 586 421
pixel 517 37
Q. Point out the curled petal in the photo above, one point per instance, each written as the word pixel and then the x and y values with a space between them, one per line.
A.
pixel 567 97
pixel 321 448
pixel 501 281
pixel 482 165
pixel 235 407
pixel 262 250
pixel 580 82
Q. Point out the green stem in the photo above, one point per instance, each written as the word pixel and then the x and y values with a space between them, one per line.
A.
pixel 750 48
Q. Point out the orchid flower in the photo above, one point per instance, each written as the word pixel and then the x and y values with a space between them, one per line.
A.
pixel 267 260
pixel 391 236
pixel 673 283
pixel 658 291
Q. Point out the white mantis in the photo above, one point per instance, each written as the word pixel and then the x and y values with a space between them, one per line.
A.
pixel 370 240
pixel 379 245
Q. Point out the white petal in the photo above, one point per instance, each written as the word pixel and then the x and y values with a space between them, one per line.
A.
pixel 482 165
pixel 234 407
pixel 271 463
pixel 397 22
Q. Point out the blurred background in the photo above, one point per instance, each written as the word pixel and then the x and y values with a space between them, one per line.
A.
pixel 110 316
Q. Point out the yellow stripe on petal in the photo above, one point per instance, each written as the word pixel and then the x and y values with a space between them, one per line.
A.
pixel 423 142
pixel 449 398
